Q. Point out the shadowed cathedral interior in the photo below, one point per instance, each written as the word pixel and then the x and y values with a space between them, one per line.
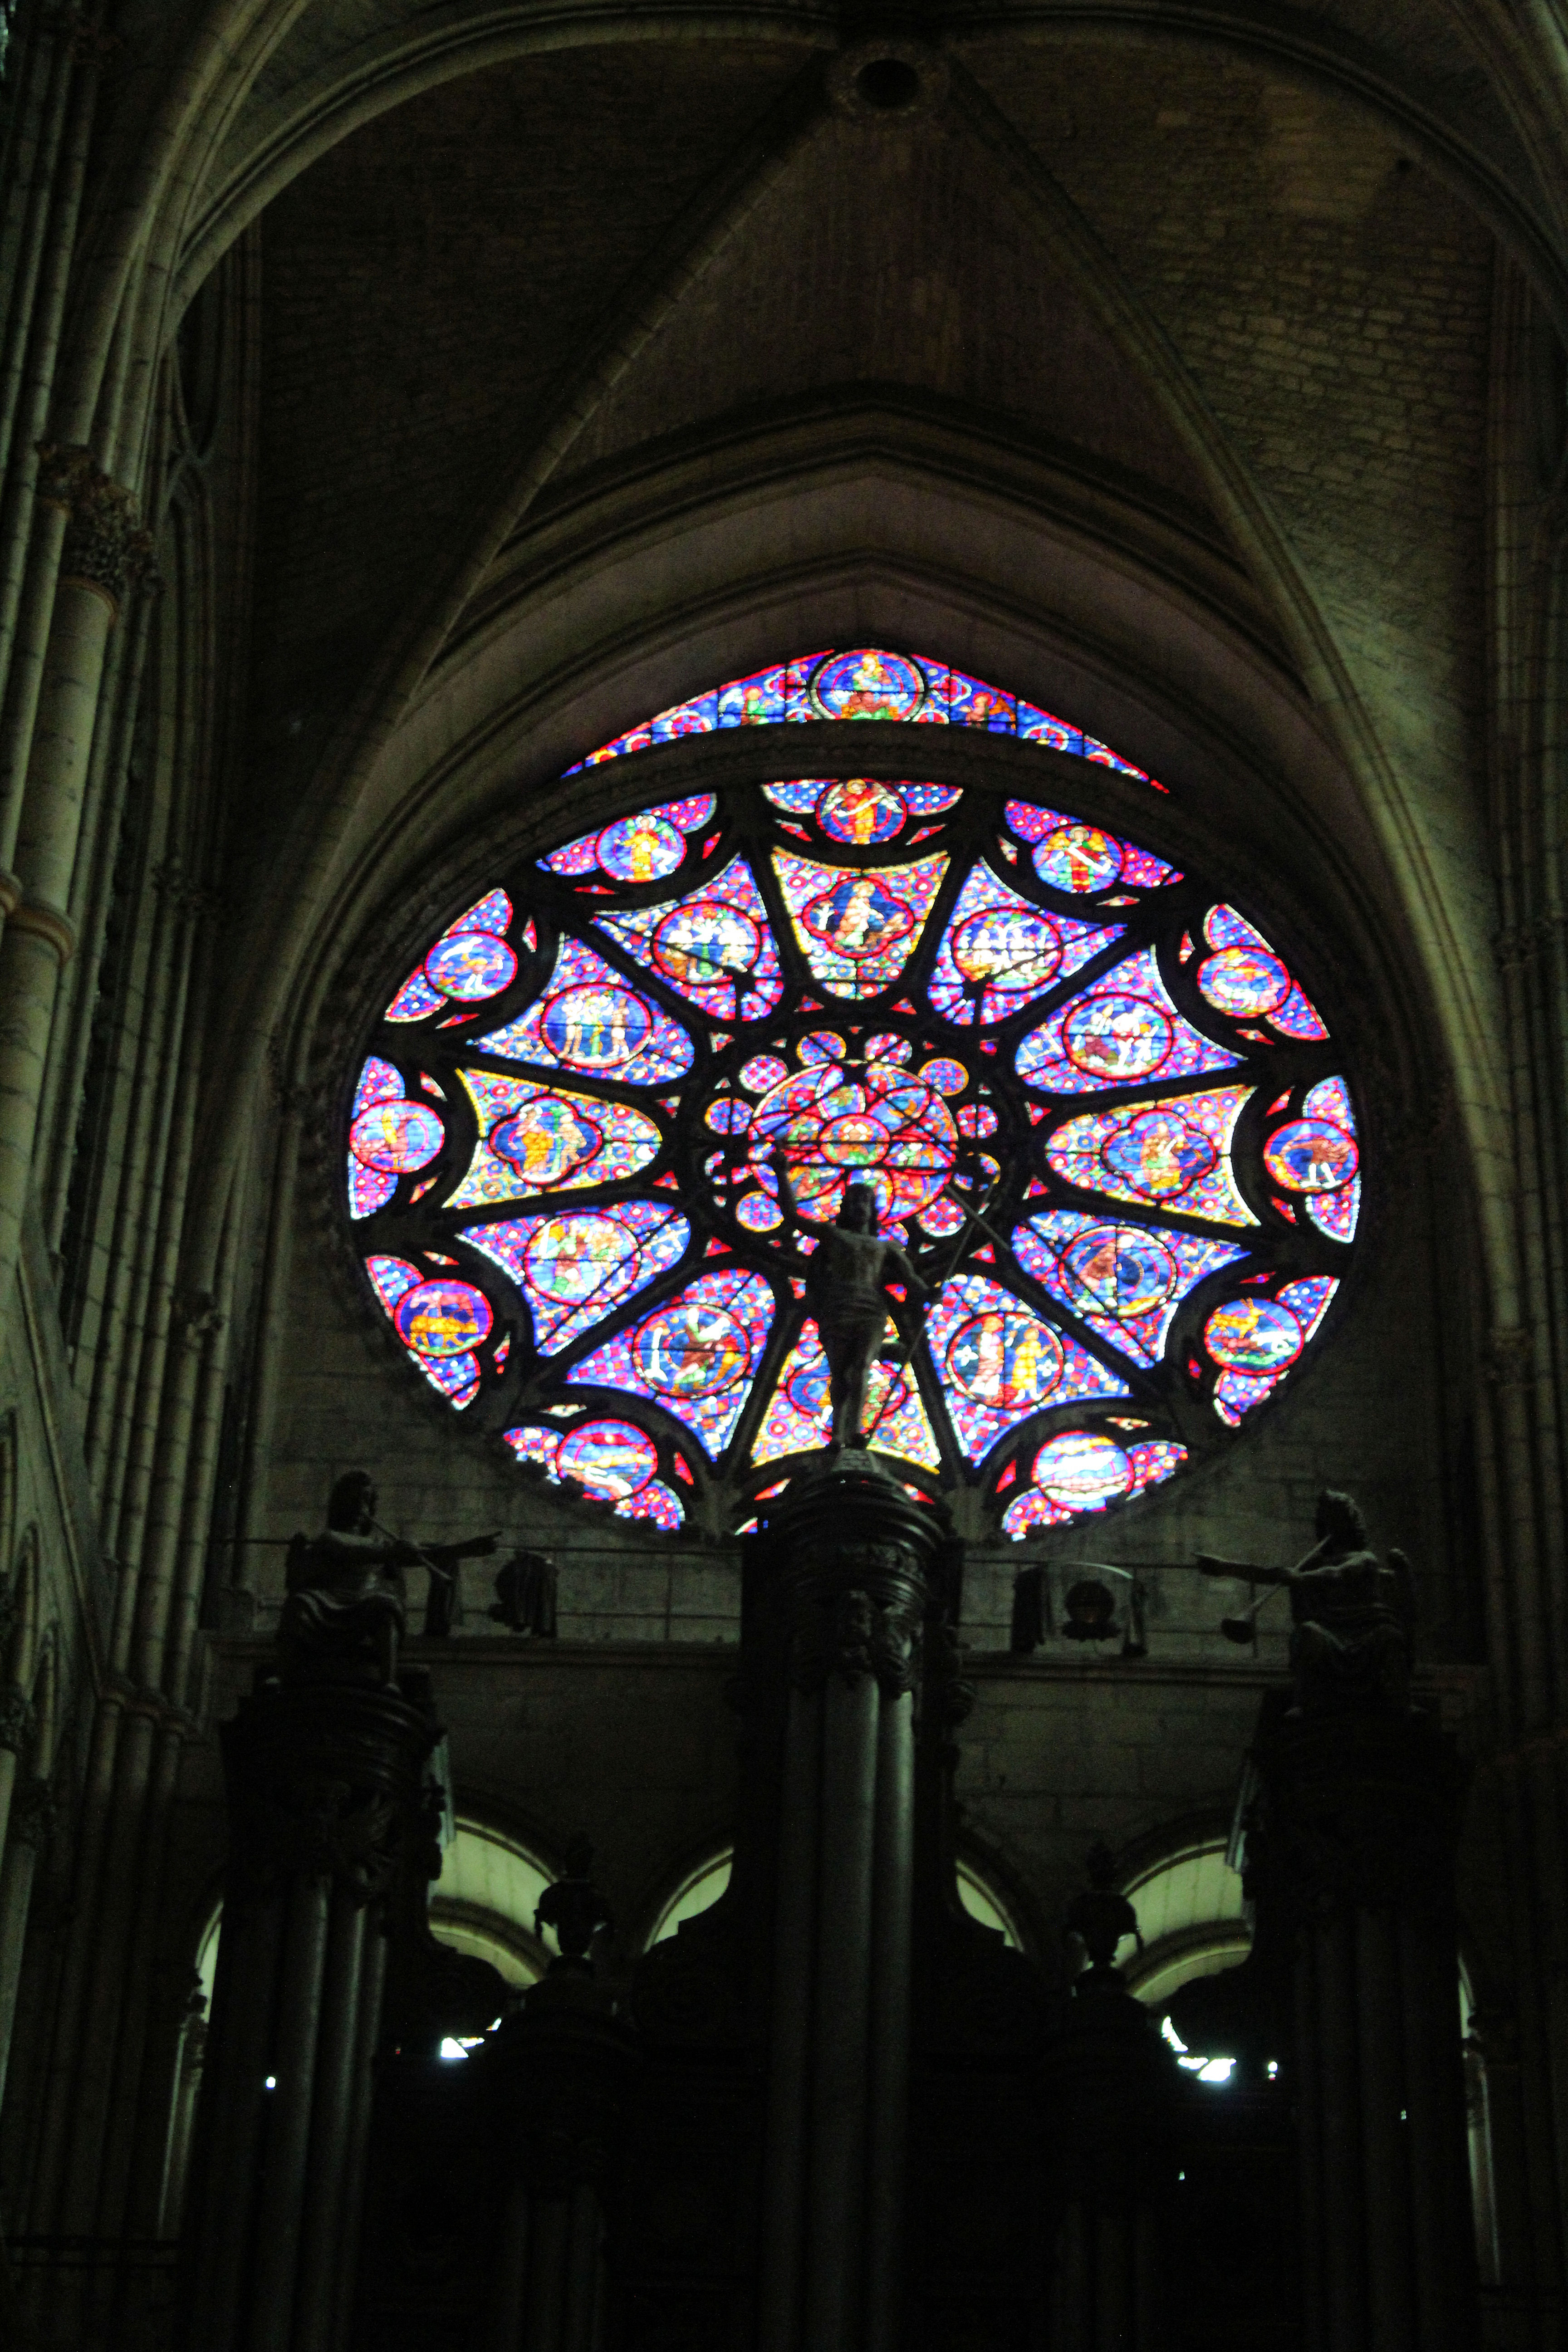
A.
pixel 782 1286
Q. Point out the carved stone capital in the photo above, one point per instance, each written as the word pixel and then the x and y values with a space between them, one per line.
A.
pixel 106 548
pixel 854 1555
pixel 325 1781
pixel 15 1718
pixel 849 1634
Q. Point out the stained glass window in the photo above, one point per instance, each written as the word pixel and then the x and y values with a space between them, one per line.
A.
pixel 1092 1098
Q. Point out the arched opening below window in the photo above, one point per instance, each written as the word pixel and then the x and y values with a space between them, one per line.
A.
pixel 485 1899
pixel 703 1887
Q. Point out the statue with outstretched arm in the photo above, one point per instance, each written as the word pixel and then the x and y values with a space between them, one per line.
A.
pixel 346 1605
pixel 1353 1620
pixel 846 1292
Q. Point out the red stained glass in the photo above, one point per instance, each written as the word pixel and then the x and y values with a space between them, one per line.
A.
pixel 1051 1085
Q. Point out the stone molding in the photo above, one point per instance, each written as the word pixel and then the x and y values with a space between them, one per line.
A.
pixel 49 923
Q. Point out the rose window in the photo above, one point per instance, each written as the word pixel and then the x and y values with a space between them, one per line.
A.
pixel 1090 1096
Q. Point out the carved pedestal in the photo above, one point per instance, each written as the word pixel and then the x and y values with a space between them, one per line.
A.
pixel 325 1798
pixel 1350 1859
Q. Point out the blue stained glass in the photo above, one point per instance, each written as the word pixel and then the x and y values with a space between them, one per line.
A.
pixel 997 1361
pixel 798 1419
pixel 799 797
pixel 573 1266
pixel 392 1276
pixel 613 1461
pixel 1172 1154
pixel 369 1188
pixel 482 922
pixel 456 1377
pixel 378 1082
pixel 640 848
pixel 1124 1281
pixel 592 1020
pixel 1123 1031
pixel 715 945
pixel 867 683
pixel 688 1040
pixel 997 952
pixel 697 1355
pixel 858 931
pixel 539 1138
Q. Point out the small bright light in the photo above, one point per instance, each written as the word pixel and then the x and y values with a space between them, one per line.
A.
pixel 1272 2069
pixel 1216 2070
pixel 451 2049
pixel 270 2083
pixel 1172 2036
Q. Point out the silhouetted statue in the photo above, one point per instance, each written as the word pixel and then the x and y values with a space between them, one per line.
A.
pixel 1100 1915
pixel 573 1905
pixel 1353 1619
pixel 846 1292
pixel 525 1595
pixel 347 1603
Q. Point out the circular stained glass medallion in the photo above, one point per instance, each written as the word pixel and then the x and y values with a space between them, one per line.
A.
pixel 398 1137
pixel 706 943
pixel 471 965
pixel 1117 1039
pixel 1083 1471
pixel 869 686
pixel 597 1028
pixel 1247 982
pixel 641 848
pixel 1252 1335
pixel 608 1457
pixel 1080 858
pixel 1310 1155
pixel 1057 1107
pixel 694 1350
pixel 546 1140
pixel 442 1318
pixel 1009 1361
pixel 876 1124
pixel 859 916
pixel 1116 1270
pixel 1159 1154
pixel 860 811
pixel 1009 948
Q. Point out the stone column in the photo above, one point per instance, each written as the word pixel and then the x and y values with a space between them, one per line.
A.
pixel 1352 1859
pixel 1108 2088
pixel 554 2079
pixel 325 1785
pixel 103 554
pixel 851 1555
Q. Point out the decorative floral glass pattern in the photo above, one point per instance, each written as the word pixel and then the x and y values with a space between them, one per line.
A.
pixel 1092 1098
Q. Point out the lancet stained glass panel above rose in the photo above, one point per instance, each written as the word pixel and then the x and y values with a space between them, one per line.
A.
pixel 1093 1098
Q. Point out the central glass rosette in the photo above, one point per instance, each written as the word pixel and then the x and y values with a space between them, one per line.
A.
pixel 1091 1099
pixel 850 1111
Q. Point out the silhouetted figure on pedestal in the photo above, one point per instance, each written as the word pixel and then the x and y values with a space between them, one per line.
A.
pixel 1353 1619
pixel 347 1604
pixel 846 1292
